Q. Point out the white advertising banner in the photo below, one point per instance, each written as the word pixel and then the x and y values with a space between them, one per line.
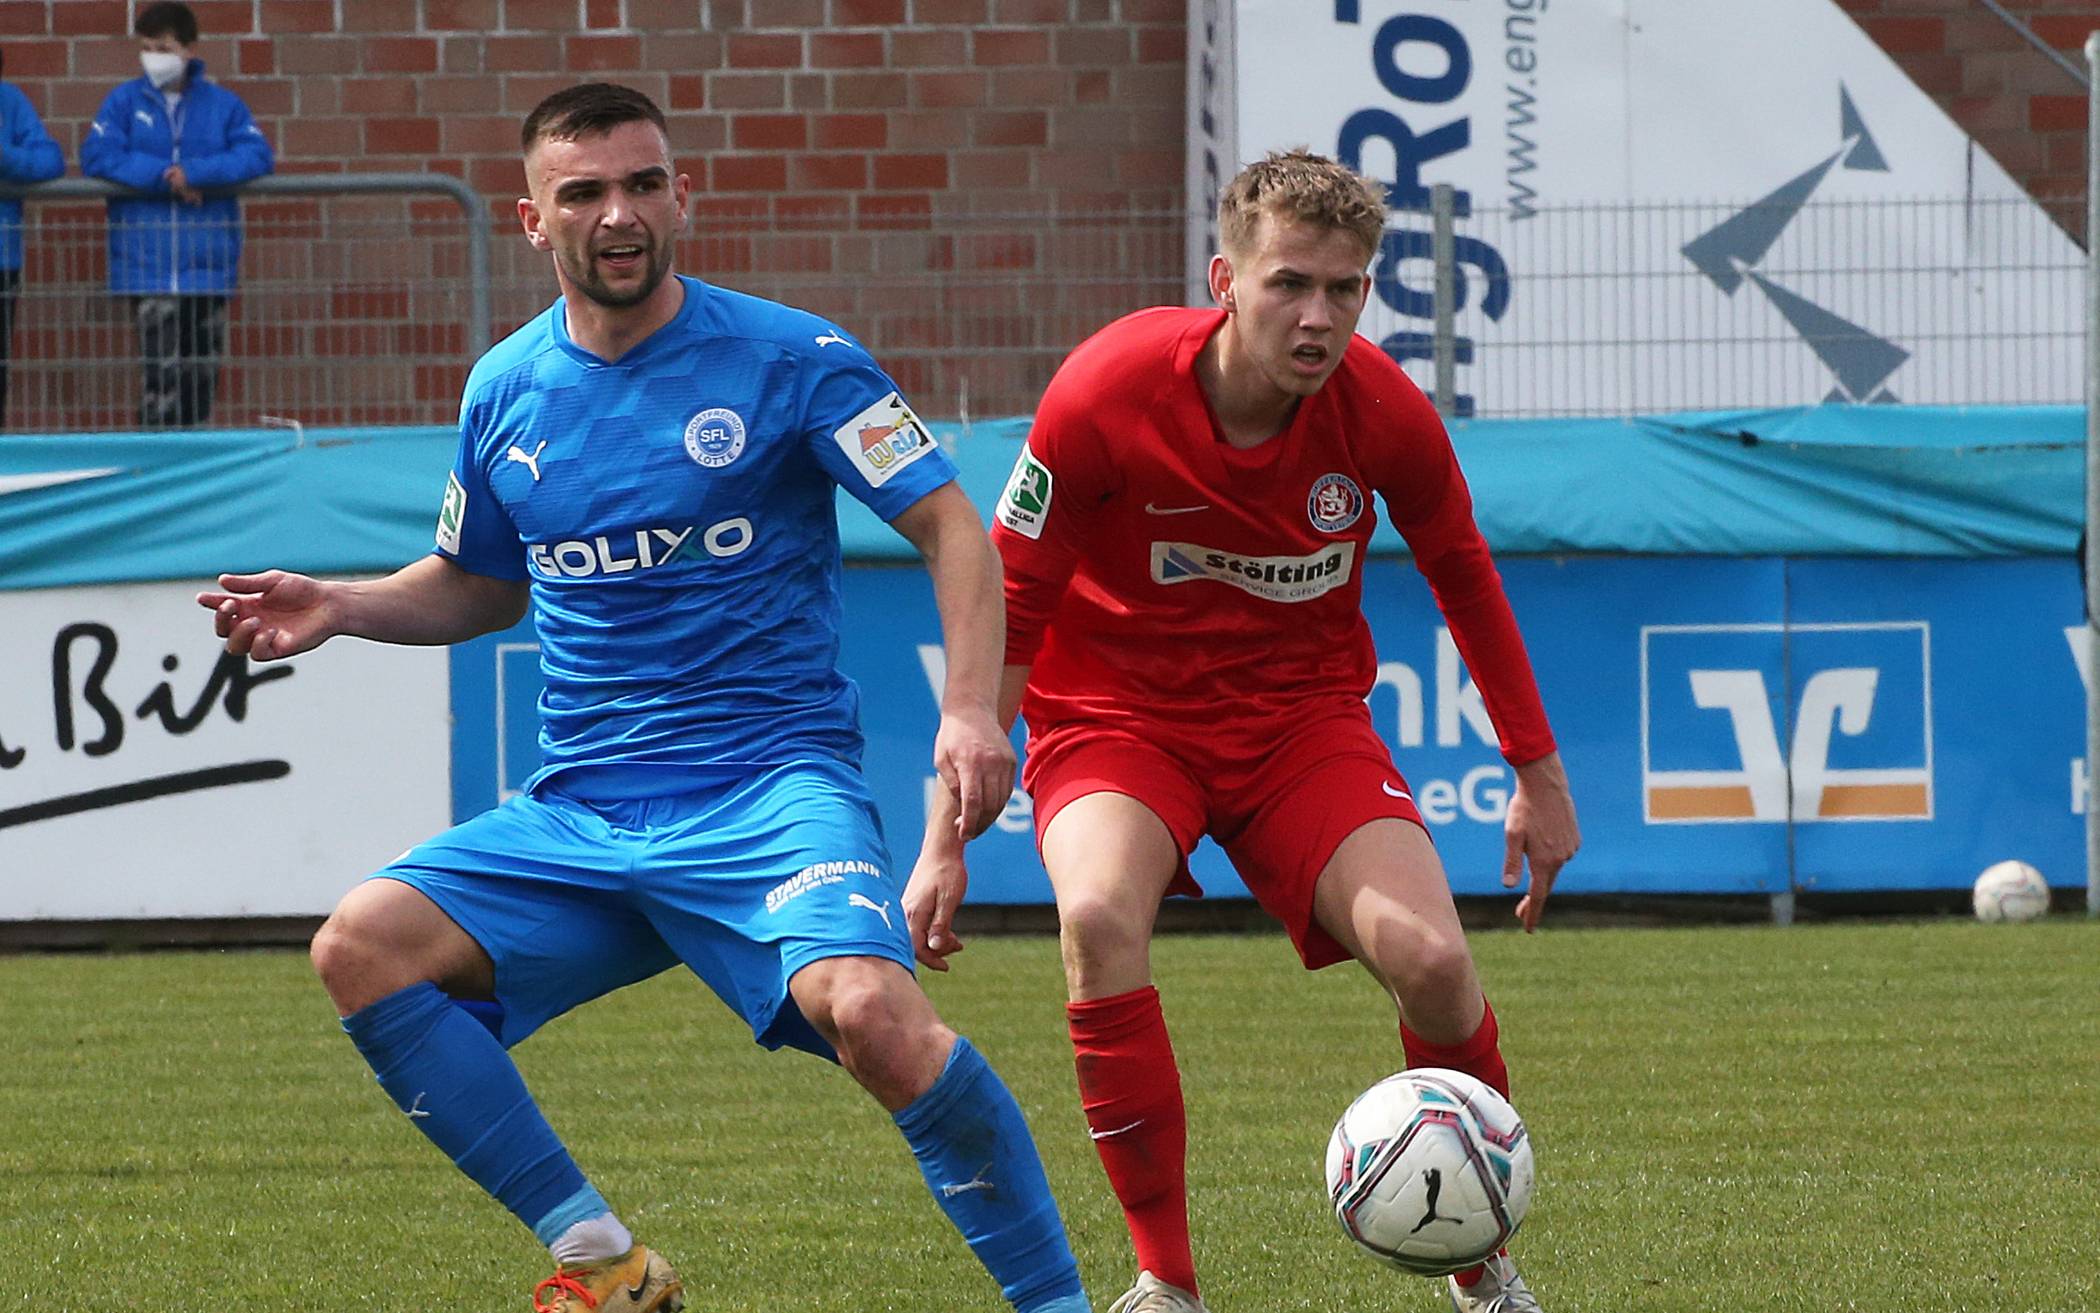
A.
pixel 145 774
pixel 1669 204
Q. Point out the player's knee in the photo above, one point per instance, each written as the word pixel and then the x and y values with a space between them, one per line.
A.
pixel 861 1014
pixel 339 957
pixel 356 964
pixel 1437 967
pixel 886 1033
pixel 1100 940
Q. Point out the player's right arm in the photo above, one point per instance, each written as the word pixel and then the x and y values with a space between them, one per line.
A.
pixel 476 581
pixel 278 614
pixel 1038 530
pixel 939 879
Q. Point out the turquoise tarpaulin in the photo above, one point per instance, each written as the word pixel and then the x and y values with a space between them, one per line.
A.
pixel 1941 481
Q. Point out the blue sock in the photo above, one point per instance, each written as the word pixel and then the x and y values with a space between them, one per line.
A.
pixel 444 1069
pixel 980 1162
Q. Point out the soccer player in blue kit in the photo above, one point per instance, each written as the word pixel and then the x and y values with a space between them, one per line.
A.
pixel 651 464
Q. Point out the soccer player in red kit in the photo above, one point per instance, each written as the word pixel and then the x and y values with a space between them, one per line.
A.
pixel 1184 542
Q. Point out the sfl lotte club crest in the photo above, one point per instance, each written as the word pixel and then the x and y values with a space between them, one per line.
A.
pixel 1335 503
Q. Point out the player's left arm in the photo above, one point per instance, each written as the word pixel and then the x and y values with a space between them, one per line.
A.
pixel 241 155
pixel 971 752
pixel 1417 474
pixel 1541 829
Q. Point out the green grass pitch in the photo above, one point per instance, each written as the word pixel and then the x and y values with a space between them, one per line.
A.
pixel 1889 1116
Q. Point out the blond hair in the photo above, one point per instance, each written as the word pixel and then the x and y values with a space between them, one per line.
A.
pixel 1298 185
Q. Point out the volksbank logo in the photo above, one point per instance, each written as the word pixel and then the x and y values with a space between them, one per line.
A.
pixel 1826 722
pixel 642 549
pixel 1276 578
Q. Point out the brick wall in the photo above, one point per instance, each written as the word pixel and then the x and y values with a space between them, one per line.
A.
pixel 1026 153
pixel 1020 158
pixel 2018 105
pixel 886 104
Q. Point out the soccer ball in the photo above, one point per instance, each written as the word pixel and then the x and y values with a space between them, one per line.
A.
pixel 2010 891
pixel 1430 1170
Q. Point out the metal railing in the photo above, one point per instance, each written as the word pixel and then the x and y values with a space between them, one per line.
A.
pixel 363 298
pixel 369 308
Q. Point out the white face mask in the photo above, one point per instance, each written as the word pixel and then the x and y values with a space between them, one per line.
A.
pixel 165 69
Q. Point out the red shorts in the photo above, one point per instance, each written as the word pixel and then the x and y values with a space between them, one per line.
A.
pixel 1278 801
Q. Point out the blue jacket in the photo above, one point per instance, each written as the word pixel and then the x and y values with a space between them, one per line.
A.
pixel 27 154
pixel 157 244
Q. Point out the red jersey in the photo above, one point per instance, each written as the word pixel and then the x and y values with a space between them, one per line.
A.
pixel 1154 571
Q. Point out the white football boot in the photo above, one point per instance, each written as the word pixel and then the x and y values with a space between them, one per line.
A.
pixel 1152 1295
pixel 1499 1290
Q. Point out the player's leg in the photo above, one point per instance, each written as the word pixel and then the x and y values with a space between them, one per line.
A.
pixel 1328 837
pixel 446 923
pixel 778 893
pixel 1384 897
pixel 1117 818
pixel 964 1127
pixel 1326 833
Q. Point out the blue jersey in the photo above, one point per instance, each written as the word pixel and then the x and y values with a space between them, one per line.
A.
pixel 675 513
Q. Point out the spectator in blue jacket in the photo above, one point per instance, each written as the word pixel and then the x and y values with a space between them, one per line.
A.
pixel 27 154
pixel 173 135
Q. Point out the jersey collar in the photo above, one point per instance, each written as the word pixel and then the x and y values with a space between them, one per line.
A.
pixel 558 327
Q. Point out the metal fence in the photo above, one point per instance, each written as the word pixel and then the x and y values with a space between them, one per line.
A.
pixel 970 313
pixel 360 300
pixel 1606 310
pixel 369 309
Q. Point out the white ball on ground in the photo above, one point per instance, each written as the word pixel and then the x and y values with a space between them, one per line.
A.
pixel 2010 891
pixel 1429 1170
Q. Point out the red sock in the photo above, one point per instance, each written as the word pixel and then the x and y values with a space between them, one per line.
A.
pixel 1479 1057
pixel 1131 1091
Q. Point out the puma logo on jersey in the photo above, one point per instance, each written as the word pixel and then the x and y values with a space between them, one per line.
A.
pixel 880 909
pixel 531 462
pixel 831 337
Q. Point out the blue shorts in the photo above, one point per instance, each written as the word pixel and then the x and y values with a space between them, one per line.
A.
pixel 746 881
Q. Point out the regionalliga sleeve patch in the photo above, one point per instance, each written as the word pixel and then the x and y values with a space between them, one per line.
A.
pixel 1025 505
pixel 451 515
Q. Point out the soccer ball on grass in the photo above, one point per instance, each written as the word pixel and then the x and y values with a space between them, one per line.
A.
pixel 2010 891
pixel 1430 1170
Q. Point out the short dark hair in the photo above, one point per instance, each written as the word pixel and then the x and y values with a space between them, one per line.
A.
pixel 167 18
pixel 587 109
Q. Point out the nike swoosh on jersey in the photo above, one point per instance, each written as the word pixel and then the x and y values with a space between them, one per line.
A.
pixel 1152 509
pixel 1392 792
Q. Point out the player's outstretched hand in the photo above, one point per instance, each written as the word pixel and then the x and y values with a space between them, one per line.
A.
pixel 1540 829
pixel 931 896
pixel 272 615
pixel 976 762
